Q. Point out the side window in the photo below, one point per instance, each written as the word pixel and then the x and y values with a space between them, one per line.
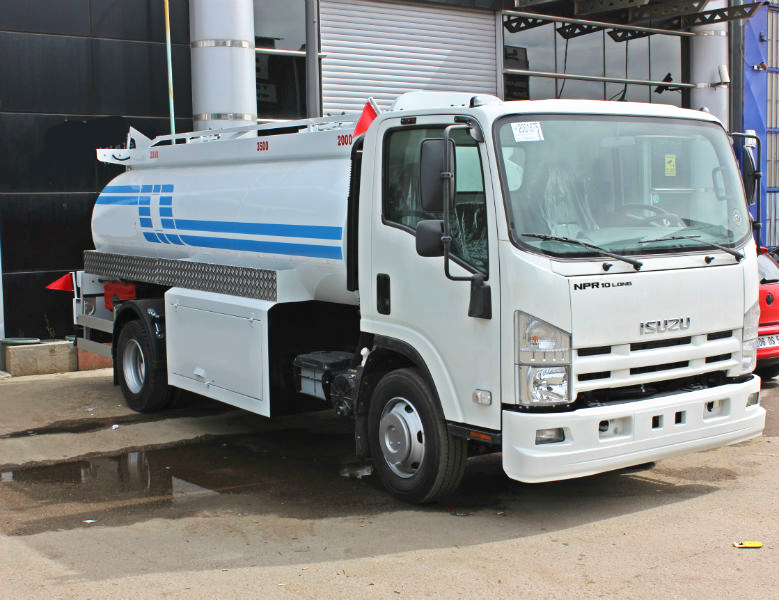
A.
pixel 401 206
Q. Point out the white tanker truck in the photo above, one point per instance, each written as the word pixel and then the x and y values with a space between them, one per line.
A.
pixel 570 283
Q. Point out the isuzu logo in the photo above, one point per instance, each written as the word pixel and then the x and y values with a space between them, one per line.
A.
pixel 665 325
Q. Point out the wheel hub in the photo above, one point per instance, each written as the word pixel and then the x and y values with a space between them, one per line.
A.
pixel 134 366
pixel 402 437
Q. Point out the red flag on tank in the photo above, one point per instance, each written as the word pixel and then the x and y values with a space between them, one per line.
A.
pixel 369 112
pixel 64 283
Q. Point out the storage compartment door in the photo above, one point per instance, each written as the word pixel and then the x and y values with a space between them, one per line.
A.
pixel 217 355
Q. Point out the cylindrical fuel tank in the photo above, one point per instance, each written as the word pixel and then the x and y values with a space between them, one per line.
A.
pixel 269 202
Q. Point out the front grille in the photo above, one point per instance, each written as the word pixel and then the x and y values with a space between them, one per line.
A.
pixel 660 344
pixel 594 351
pixel 592 376
pixel 654 360
pixel 718 358
pixel 719 335
pixel 654 368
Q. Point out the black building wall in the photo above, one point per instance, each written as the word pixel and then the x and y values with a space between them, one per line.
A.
pixel 74 75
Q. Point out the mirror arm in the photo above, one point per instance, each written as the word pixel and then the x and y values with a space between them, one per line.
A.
pixel 480 304
pixel 449 181
pixel 757 175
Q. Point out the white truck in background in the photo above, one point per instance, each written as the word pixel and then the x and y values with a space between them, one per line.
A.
pixel 571 283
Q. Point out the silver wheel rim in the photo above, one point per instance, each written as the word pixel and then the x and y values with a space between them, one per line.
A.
pixel 133 366
pixel 402 437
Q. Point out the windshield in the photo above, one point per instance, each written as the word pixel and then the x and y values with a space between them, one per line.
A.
pixel 629 185
pixel 768 269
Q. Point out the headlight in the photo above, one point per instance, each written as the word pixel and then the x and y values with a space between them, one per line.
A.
pixel 749 339
pixel 543 356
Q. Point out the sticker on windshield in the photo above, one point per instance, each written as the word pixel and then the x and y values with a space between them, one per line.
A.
pixel 670 165
pixel 527 131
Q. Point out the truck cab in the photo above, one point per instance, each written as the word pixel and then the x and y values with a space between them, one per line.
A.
pixel 616 246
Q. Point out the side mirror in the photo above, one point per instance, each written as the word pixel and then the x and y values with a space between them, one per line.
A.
pixel 429 238
pixel 431 166
pixel 748 170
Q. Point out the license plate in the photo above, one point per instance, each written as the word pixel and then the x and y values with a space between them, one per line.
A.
pixel 768 341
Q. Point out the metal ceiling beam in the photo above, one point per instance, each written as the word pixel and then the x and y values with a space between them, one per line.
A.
pixel 745 11
pixel 513 14
pixel 516 24
pixel 590 7
pixel 720 15
pixel 620 35
pixel 574 30
pixel 655 12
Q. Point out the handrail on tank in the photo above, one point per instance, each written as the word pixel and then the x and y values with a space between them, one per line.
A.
pixel 234 132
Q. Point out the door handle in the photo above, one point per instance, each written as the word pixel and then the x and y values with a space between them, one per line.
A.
pixel 383 293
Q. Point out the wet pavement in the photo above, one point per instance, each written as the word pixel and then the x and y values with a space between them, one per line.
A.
pixel 283 498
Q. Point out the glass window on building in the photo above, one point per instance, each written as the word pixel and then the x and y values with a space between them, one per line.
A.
pixel 280 39
pixel 533 49
pixel 580 55
pixel 665 58
pixel 545 49
pixel 628 60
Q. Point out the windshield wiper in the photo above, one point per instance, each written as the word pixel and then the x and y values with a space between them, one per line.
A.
pixel 764 280
pixel 554 238
pixel 739 255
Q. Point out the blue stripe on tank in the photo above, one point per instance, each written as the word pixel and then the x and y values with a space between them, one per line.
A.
pixel 121 189
pixel 320 232
pixel 108 199
pixel 311 250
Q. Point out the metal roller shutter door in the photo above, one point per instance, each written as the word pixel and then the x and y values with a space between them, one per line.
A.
pixel 383 49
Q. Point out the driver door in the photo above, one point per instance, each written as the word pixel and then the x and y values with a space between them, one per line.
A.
pixel 411 298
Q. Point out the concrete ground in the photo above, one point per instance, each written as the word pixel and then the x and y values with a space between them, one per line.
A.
pixel 204 501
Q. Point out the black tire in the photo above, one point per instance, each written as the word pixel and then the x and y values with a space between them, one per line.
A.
pixel 768 372
pixel 145 389
pixel 404 414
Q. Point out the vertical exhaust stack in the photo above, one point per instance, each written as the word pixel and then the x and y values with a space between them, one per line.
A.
pixel 224 86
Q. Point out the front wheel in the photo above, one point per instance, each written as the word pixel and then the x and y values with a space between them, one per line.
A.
pixel 415 456
pixel 144 387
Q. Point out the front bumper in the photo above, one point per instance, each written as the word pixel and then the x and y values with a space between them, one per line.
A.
pixel 639 432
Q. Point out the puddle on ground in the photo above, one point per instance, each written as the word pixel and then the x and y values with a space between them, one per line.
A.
pixel 184 406
pixel 221 465
pixel 314 470
pixel 304 473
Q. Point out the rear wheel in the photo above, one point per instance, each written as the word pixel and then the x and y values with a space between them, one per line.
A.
pixel 144 387
pixel 413 453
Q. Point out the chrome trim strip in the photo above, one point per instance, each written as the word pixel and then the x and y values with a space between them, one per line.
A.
pixel 221 44
pixel 225 117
